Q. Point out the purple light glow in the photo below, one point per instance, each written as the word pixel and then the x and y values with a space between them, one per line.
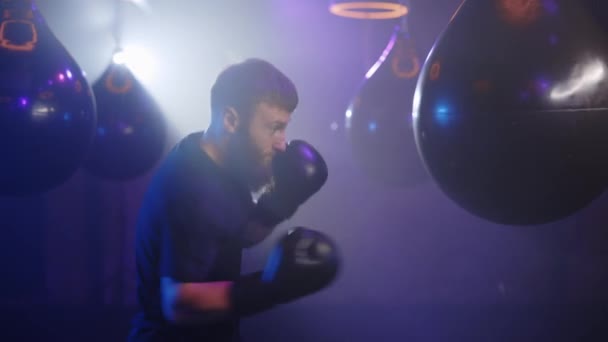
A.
pixel 380 60
pixel 307 153
pixel 553 40
pixel 551 6
pixel 543 85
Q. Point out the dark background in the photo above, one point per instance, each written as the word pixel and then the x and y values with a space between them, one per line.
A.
pixel 416 266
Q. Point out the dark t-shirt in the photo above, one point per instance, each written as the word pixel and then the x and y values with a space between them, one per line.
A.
pixel 188 229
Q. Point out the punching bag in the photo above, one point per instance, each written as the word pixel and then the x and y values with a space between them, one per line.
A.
pixel 131 131
pixel 511 109
pixel 379 118
pixel 47 108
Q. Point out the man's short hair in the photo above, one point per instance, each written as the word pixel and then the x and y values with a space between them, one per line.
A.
pixel 244 85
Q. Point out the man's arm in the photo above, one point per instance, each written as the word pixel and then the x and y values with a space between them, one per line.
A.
pixel 299 172
pixel 304 262
pixel 199 302
pixel 188 254
pixel 192 303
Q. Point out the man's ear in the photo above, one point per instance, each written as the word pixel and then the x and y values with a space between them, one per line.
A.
pixel 231 119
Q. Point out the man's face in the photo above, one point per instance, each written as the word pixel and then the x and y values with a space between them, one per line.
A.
pixel 257 141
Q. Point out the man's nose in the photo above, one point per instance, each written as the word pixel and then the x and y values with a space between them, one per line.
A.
pixel 280 145
pixel 280 142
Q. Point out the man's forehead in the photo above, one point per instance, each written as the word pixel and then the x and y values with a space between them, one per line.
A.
pixel 272 112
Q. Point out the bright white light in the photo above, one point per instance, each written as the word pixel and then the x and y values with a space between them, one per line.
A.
pixel 382 58
pixel 416 101
pixel 40 112
pixel 119 57
pixel 138 60
pixel 583 78
pixel 142 4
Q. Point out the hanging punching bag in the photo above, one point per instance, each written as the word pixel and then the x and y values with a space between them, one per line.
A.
pixel 511 109
pixel 47 109
pixel 131 131
pixel 379 119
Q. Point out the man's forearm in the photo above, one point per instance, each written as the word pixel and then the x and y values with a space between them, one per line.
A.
pixel 195 303
pixel 191 303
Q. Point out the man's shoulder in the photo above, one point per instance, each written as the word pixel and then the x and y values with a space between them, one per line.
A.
pixel 185 159
pixel 188 153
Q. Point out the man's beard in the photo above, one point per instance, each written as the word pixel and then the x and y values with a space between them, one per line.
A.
pixel 247 163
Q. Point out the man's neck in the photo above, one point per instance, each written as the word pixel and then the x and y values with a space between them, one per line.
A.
pixel 213 147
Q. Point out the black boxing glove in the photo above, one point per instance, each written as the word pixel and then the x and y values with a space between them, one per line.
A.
pixel 303 262
pixel 298 173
